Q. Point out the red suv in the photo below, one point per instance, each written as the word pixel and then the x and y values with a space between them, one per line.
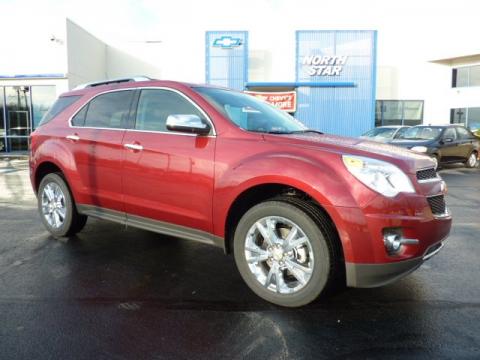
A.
pixel 298 209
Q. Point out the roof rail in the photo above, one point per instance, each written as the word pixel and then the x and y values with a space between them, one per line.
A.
pixel 112 81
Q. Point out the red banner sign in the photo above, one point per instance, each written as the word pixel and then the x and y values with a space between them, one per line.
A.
pixel 284 100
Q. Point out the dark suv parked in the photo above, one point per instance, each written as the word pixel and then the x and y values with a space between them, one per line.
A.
pixel 445 144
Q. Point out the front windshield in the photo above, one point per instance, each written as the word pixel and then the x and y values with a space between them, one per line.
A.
pixel 250 113
pixel 385 133
pixel 421 133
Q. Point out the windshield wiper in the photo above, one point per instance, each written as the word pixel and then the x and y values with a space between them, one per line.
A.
pixel 306 131
pixel 278 132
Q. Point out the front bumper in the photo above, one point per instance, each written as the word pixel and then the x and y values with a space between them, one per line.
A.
pixel 374 275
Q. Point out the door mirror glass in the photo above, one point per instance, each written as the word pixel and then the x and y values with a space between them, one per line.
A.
pixel 447 140
pixel 188 123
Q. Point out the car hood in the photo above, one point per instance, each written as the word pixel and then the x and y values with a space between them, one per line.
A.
pixel 381 140
pixel 407 160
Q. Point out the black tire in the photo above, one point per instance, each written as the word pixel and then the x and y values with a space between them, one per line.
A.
pixel 316 227
pixel 469 163
pixel 73 221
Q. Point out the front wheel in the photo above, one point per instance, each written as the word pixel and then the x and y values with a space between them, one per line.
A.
pixel 282 254
pixel 56 207
pixel 472 161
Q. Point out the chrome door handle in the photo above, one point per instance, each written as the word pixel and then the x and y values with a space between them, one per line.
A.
pixel 134 147
pixel 73 137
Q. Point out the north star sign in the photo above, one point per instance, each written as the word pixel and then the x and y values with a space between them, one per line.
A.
pixel 324 65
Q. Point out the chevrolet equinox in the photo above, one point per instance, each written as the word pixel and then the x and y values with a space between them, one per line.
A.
pixel 298 209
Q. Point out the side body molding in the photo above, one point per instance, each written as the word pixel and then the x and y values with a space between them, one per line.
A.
pixel 157 226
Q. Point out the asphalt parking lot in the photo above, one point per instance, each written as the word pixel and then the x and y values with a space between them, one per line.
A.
pixel 121 293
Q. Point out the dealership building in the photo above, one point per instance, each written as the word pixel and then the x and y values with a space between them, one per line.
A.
pixel 340 81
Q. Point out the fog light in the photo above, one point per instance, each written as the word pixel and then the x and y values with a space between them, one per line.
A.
pixel 393 242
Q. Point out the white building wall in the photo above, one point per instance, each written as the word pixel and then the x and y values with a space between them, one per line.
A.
pixel 87 56
pixel 90 59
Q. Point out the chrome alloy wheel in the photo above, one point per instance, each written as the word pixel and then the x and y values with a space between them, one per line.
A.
pixel 53 205
pixel 279 254
pixel 472 160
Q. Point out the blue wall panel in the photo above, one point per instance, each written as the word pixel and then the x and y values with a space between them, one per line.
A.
pixel 338 110
pixel 227 58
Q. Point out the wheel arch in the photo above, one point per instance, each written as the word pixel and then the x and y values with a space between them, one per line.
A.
pixel 44 168
pixel 258 193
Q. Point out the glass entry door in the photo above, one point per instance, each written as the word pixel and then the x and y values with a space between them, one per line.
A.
pixel 18 120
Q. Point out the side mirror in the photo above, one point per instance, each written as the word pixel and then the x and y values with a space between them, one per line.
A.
pixel 187 123
pixel 447 140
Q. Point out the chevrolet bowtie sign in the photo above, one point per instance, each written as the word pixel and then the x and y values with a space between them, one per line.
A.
pixel 227 42
pixel 324 65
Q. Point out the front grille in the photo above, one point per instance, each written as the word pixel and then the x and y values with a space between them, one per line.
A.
pixel 437 204
pixel 426 174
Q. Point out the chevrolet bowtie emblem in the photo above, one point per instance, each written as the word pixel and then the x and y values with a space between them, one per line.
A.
pixel 227 42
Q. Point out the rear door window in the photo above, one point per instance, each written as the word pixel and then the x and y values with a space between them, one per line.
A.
pixel 110 110
pixel 450 134
pixel 463 133
pixel 400 133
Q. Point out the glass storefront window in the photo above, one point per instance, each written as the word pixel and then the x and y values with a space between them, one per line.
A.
pixel 392 112
pixel 21 108
pixel 474 119
pixel 378 113
pixel 462 77
pixel 466 76
pixel 42 99
pixel 470 117
pixel 413 110
pixel 458 116
pixel 17 143
pixel 3 146
pixel 399 112
pixel 18 110
pixel 474 76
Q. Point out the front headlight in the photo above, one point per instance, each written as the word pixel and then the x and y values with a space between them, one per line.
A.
pixel 419 149
pixel 380 176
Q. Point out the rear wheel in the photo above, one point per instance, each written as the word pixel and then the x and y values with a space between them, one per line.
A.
pixel 472 161
pixel 56 207
pixel 282 254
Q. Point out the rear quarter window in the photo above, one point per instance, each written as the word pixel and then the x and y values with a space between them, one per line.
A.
pixel 58 106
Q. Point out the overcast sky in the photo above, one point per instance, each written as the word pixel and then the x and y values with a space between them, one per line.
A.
pixel 123 20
